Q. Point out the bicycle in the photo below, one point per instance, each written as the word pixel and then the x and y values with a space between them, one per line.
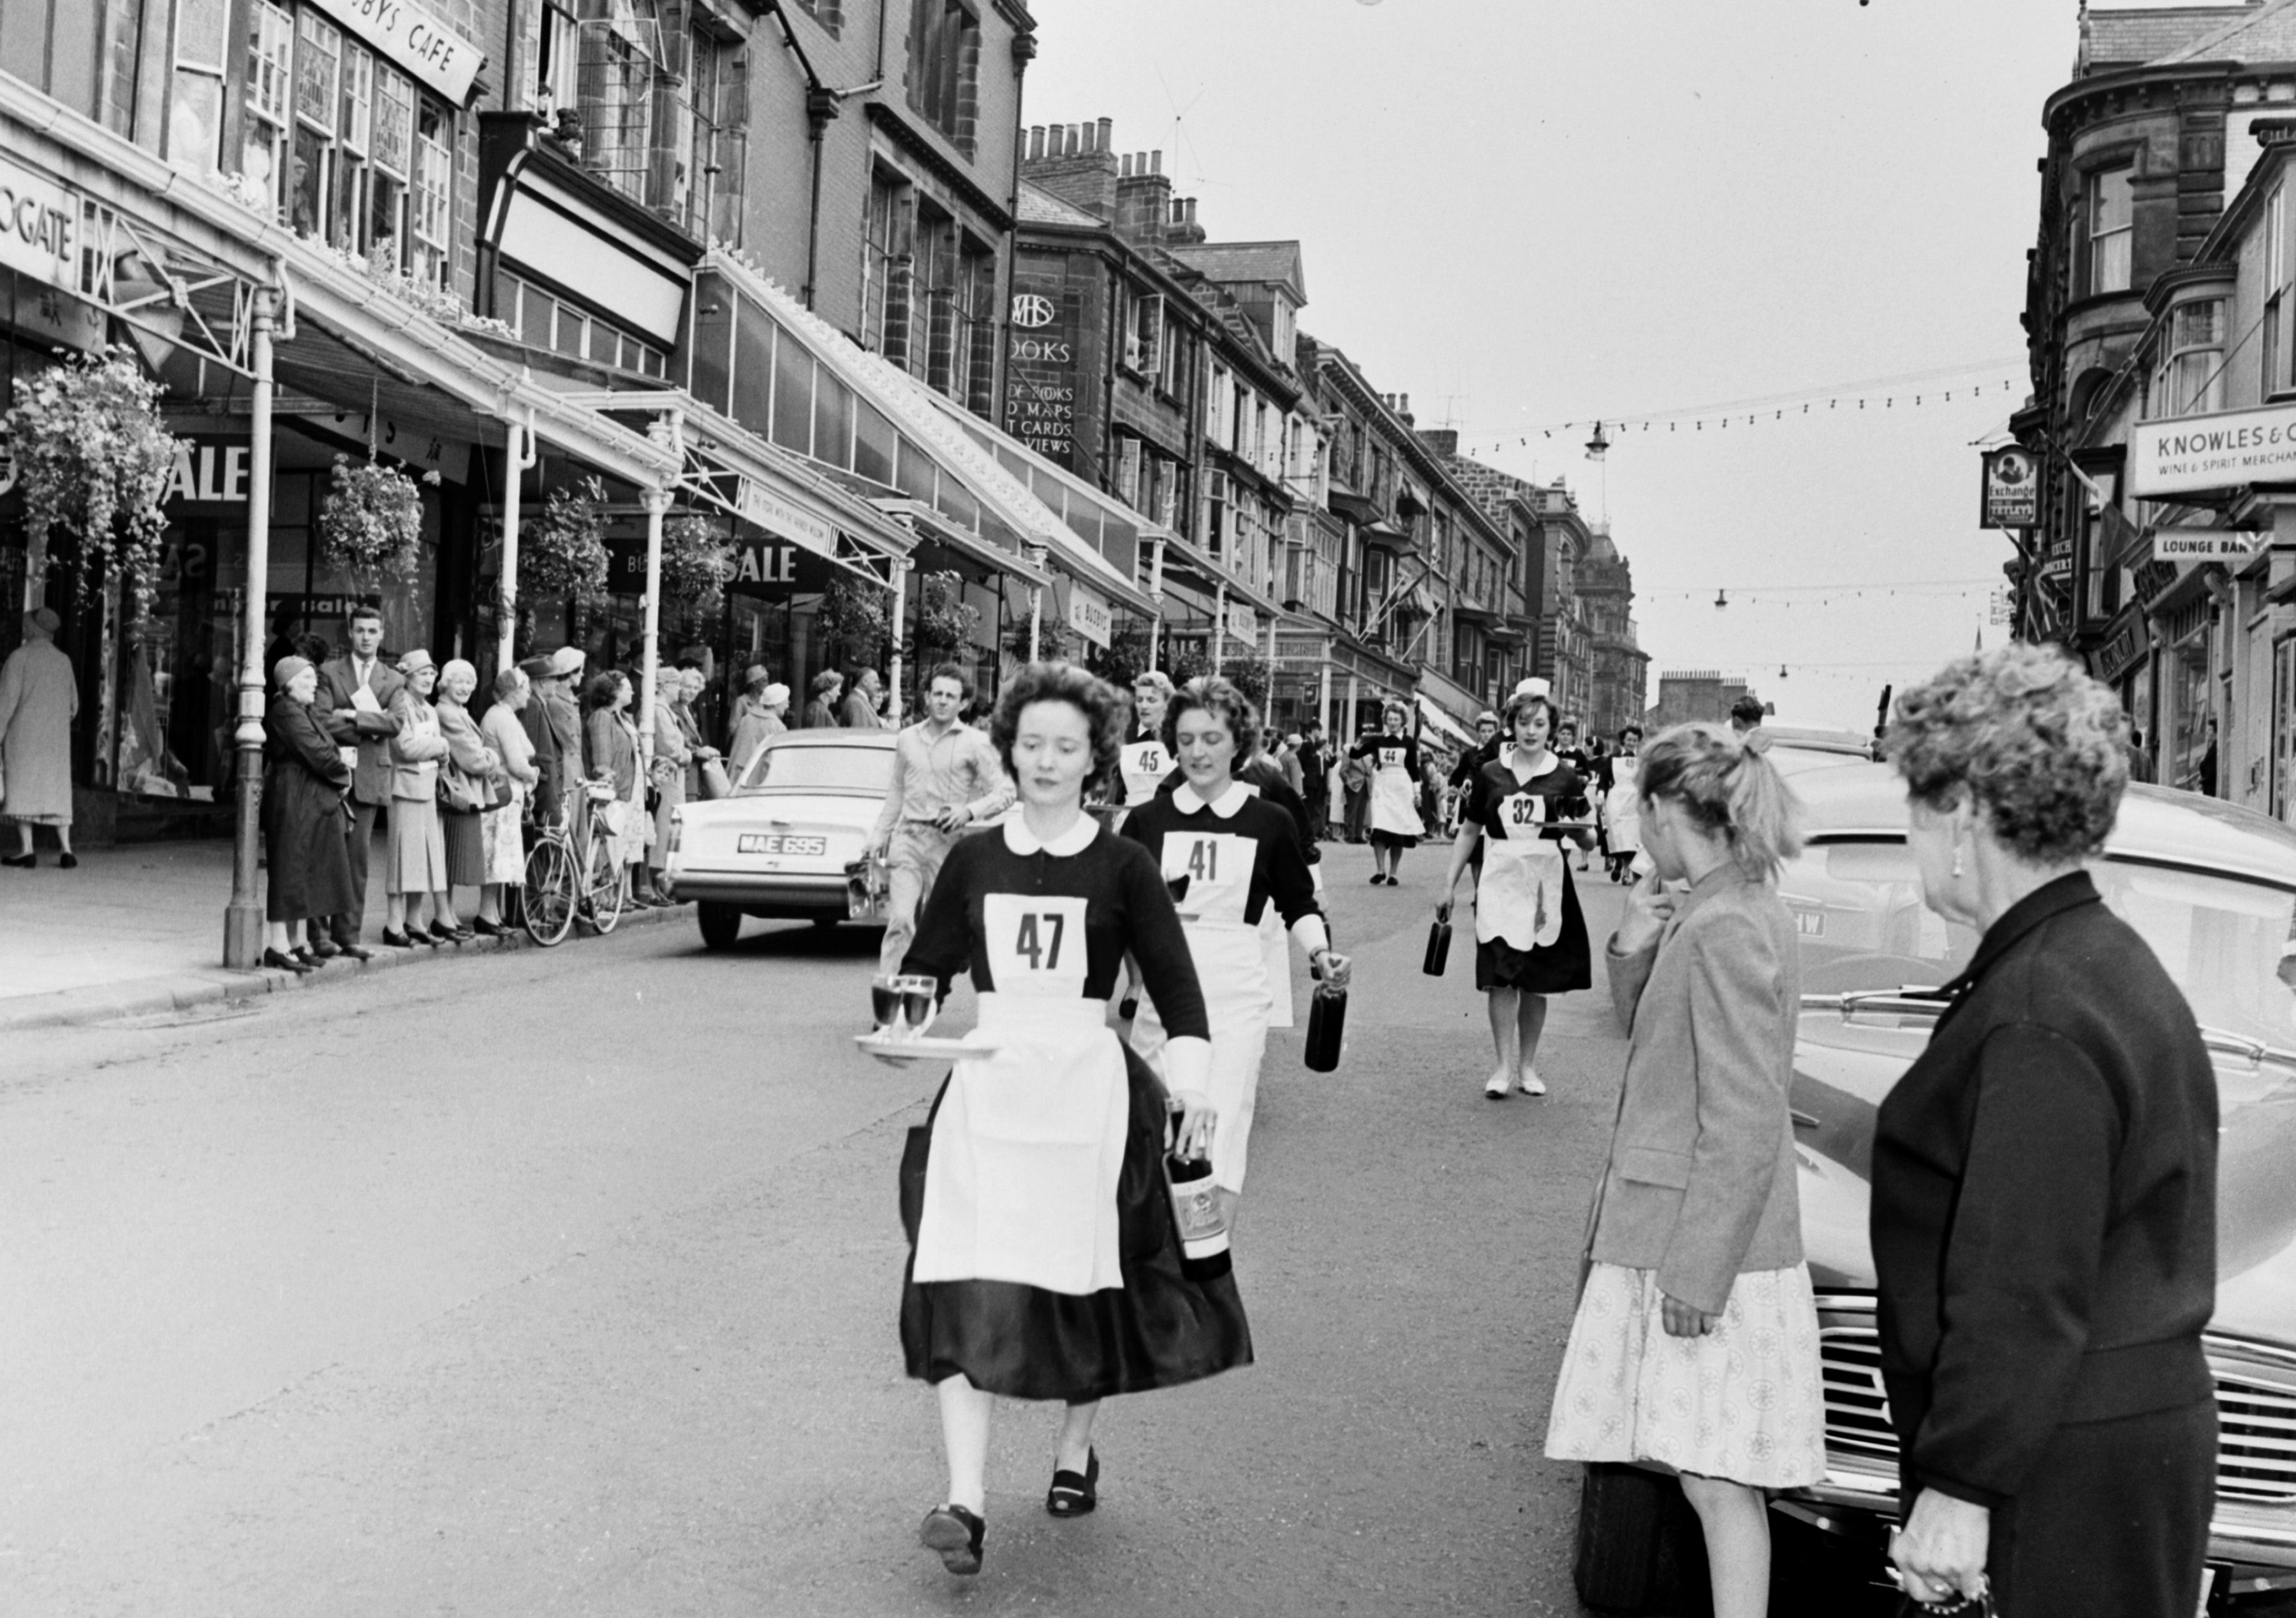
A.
pixel 569 878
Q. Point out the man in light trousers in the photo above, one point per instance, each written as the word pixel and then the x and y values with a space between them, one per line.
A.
pixel 946 777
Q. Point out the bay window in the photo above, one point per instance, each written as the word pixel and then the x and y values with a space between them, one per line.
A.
pixel 2110 218
pixel 2190 378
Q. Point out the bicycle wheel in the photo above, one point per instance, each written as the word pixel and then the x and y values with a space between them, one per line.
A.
pixel 603 893
pixel 547 899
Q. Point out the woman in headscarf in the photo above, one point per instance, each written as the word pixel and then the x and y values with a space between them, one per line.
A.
pixel 610 742
pixel 469 782
pixel 418 844
pixel 306 857
pixel 504 730
pixel 767 717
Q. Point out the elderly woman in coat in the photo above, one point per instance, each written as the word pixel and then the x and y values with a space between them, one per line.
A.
pixel 418 844
pixel 306 858
pixel 768 717
pixel 673 755
pixel 38 698
pixel 504 727
pixel 2045 1179
pixel 470 780
pixel 610 745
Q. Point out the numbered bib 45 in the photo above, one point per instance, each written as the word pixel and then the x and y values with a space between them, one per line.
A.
pixel 1035 943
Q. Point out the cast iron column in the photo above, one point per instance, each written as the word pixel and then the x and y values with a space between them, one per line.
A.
pixel 242 918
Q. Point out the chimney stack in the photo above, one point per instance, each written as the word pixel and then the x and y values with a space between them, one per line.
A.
pixel 1144 199
pixel 1075 164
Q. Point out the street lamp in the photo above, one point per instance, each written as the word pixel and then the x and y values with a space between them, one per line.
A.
pixel 1598 445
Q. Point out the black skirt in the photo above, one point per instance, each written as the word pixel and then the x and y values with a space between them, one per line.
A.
pixel 1556 968
pixel 466 846
pixel 1159 1330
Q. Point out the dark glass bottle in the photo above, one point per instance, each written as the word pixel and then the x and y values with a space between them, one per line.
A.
pixel 1439 946
pixel 1327 1021
pixel 1200 1212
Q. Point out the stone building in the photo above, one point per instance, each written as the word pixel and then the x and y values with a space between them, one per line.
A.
pixel 1698 696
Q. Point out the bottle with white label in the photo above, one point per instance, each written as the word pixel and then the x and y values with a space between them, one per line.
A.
pixel 1200 1212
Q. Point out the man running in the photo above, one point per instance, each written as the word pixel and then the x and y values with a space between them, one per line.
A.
pixel 946 777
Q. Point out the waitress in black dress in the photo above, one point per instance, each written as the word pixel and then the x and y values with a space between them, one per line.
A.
pixel 1046 1264
pixel 1230 856
pixel 1530 940
pixel 1395 784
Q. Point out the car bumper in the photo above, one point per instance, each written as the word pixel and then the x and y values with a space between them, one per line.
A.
pixel 782 894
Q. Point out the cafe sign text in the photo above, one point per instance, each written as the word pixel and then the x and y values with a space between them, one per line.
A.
pixel 427 48
pixel 2194 453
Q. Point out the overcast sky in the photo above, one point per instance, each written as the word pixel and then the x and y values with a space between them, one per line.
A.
pixel 1526 212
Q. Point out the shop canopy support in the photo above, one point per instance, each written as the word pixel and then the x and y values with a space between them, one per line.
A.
pixel 1036 555
pixel 520 454
pixel 900 621
pixel 1219 626
pixel 242 919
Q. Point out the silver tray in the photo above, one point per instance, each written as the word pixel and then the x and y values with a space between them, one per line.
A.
pixel 927 1048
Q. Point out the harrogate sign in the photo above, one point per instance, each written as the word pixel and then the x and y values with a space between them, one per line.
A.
pixel 2200 453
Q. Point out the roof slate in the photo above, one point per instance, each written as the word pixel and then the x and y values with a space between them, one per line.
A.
pixel 2124 38
pixel 1279 262
pixel 2267 33
pixel 1041 207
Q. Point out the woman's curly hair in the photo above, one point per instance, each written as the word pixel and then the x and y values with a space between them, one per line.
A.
pixel 2041 748
pixel 1217 696
pixel 1105 708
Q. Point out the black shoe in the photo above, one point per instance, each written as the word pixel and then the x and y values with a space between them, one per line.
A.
pixel 354 952
pixel 433 935
pixel 400 941
pixel 460 935
pixel 1074 1493
pixel 286 962
pixel 325 949
pixel 484 928
pixel 22 862
pixel 305 955
pixel 70 861
pixel 1378 877
pixel 957 1534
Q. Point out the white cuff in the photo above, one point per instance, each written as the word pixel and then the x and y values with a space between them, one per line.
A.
pixel 1311 934
pixel 1316 871
pixel 1188 1065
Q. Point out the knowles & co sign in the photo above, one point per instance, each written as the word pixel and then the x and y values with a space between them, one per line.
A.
pixel 2194 453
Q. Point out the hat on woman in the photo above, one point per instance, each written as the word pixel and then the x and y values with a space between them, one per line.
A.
pixel 536 668
pixel 283 672
pixel 43 620
pixel 455 667
pixel 568 659
pixel 754 676
pixel 776 695
pixel 414 662
pixel 1535 687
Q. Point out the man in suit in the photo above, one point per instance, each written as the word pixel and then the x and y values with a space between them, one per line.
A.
pixel 863 702
pixel 353 706
pixel 565 711
pixel 549 761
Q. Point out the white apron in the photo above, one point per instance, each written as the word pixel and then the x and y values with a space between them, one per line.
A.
pixel 1519 896
pixel 1232 967
pixel 1395 802
pixel 1027 1145
pixel 1144 764
pixel 1622 809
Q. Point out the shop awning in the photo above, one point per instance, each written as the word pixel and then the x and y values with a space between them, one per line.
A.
pixel 931 525
pixel 952 439
pixel 1444 722
pixel 1201 572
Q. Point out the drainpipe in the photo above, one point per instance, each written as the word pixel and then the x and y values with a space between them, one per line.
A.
pixel 242 917
pixel 521 453
pixel 820 107
pixel 657 502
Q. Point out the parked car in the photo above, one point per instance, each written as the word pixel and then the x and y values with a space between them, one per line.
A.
pixel 1796 748
pixel 2212 887
pixel 778 847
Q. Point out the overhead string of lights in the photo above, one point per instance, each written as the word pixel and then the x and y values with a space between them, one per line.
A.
pixel 1830 595
pixel 1910 390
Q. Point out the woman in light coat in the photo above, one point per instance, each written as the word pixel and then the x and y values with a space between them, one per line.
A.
pixel 1695 1342
pixel 673 755
pixel 39 700
pixel 418 843
pixel 306 857
pixel 503 728
pixel 766 717
pixel 471 774
pixel 610 745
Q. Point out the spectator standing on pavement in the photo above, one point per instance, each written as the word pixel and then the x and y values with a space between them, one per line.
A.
pixel 1354 795
pixel 1046 1150
pixel 305 857
pixel 1315 774
pixel 1695 1342
pixel 543 796
pixel 2045 1181
pixel 356 692
pixel 1530 938
pixel 1395 784
pixel 503 728
pixel 946 779
pixel 673 755
pixel 610 750
pixel 692 688
pixel 418 843
pixel 568 664
pixel 38 697
pixel 862 702
pixel 761 723
pixel 469 781
pixel 821 713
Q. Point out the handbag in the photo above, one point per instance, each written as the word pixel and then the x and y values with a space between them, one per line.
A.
pixel 458 790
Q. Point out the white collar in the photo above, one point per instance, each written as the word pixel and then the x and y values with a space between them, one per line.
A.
pixel 1239 792
pixel 1024 841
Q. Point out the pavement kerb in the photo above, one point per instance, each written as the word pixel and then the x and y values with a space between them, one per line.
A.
pixel 181 990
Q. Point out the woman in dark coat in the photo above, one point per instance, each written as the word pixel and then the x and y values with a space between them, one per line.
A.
pixel 304 827
pixel 2044 1212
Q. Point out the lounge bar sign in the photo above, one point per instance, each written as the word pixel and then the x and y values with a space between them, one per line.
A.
pixel 2194 454
pixel 434 53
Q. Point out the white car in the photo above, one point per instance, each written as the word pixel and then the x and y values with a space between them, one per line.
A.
pixel 779 846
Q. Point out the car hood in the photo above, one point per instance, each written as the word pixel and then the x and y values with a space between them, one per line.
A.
pixel 858 810
pixel 1843 1068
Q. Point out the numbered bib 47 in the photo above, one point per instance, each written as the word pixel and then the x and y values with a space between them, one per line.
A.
pixel 1035 943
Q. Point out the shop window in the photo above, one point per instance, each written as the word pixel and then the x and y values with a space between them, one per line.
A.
pixel 557 58
pixel 1144 333
pixel 832 422
pixel 195 98
pixel 885 268
pixel 270 86
pixel 793 397
pixel 1128 472
pixel 543 321
pixel 431 208
pixel 2109 214
pixel 1218 520
pixel 392 140
pixel 875 444
pixel 2283 727
pixel 944 68
pixel 2190 378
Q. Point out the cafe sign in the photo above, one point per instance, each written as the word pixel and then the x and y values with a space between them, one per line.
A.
pixel 1090 616
pixel 438 56
pixel 2199 454
pixel 2011 489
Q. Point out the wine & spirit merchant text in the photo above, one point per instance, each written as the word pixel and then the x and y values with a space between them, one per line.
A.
pixel 2225 451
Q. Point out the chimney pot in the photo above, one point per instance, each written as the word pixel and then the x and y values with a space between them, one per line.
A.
pixel 1156 162
pixel 1107 132
pixel 1125 167
pixel 1076 139
pixel 1036 143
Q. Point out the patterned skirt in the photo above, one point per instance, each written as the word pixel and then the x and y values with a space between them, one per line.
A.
pixel 1743 1403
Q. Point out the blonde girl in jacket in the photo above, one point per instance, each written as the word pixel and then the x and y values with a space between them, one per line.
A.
pixel 1695 1343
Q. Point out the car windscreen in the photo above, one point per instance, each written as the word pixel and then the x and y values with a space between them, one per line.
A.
pixel 1858 907
pixel 813 768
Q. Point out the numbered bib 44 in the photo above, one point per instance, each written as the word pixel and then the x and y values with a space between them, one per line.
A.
pixel 1035 943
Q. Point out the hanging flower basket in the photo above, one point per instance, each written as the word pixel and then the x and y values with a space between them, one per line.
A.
pixel 563 552
pixel 371 522
pixel 697 563
pixel 853 623
pixel 946 622
pixel 1054 643
pixel 93 460
pixel 1249 673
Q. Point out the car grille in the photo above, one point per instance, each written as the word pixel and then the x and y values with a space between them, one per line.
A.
pixel 2256 1421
